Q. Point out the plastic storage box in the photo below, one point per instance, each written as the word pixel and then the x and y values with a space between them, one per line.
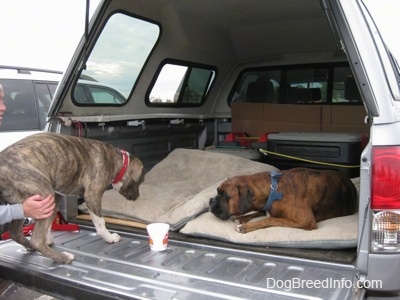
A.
pixel 337 151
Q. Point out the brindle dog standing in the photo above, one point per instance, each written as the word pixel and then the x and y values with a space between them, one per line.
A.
pixel 47 163
pixel 308 196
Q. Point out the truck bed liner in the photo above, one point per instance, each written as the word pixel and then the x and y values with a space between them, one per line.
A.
pixel 130 270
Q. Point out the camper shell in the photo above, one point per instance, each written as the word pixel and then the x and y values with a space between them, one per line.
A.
pixel 232 77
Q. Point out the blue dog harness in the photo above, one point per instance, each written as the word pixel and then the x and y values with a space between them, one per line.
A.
pixel 273 194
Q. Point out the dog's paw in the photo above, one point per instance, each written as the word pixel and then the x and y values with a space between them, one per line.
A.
pixel 67 257
pixel 240 228
pixel 113 238
pixel 108 236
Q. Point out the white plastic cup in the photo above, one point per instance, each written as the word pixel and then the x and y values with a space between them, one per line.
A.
pixel 158 236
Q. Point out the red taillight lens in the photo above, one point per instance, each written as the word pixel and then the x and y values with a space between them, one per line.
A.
pixel 385 185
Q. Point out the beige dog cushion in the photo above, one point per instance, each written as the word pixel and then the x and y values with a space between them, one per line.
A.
pixel 331 234
pixel 334 233
pixel 179 188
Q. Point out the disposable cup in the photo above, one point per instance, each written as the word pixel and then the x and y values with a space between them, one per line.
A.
pixel 158 236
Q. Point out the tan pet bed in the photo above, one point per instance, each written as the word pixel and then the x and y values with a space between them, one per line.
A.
pixel 178 189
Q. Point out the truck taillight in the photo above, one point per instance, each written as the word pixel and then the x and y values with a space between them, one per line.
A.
pixel 385 199
pixel 386 231
pixel 385 179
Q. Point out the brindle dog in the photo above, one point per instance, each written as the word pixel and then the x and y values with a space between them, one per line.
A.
pixel 303 198
pixel 49 163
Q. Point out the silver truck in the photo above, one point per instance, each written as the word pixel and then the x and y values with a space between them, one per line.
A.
pixel 194 74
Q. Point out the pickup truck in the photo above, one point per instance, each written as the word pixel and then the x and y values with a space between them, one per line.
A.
pixel 226 80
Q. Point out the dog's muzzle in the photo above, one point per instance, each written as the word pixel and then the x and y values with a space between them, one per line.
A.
pixel 218 209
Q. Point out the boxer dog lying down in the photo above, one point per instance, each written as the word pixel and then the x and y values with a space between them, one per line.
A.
pixel 49 163
pixel 298 198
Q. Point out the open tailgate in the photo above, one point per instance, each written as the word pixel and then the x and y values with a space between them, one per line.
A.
pixel 130 270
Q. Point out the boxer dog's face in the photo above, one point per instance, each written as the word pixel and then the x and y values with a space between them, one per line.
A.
pixel 133 178
pixel 233 198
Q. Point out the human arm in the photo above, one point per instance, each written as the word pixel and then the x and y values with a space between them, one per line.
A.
pixel 34 207
pixel 11 212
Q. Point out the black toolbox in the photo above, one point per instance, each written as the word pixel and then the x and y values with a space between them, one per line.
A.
pixel 337 151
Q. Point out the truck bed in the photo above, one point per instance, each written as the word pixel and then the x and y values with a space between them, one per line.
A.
pixel 189 269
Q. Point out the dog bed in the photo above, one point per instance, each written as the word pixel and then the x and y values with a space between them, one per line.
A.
pixel 336 233
pixel 177 191
pixel 178 188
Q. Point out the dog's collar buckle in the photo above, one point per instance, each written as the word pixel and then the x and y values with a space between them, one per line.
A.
pixel 125 164
pixel 273 194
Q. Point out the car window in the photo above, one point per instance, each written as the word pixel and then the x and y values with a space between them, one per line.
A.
pixel 116 60
pixel 306 85
pixel 344 89
pixel 258 85
pixel 97 94
pixel 21 112
pixel 181 84
pixel 44 93
pixel 325 83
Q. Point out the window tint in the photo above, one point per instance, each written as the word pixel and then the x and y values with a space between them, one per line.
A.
pixel 258 86
pixel 182 85
pixel 44 93
pixel 344 89
pixel 331 83
pixel 116 60
pixel 90 93
pixel 308 85
pixel 21 112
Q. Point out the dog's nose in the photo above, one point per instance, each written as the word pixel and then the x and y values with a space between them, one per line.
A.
pixel 212 201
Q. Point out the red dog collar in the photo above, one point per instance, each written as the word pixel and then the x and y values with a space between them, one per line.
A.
pixel 125 163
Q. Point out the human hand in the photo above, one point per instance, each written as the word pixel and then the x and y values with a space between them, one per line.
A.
pixel 37 207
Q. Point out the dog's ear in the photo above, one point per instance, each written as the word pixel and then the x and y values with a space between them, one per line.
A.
pixel 137 167
pixel 245 199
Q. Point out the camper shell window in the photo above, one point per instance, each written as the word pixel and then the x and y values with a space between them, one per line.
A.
pixel 181 84
pixel 116 61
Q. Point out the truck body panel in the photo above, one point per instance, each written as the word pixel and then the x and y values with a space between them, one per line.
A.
pixel 217 50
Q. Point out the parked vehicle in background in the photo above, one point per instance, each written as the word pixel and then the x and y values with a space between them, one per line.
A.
pixel 27 96
pixel 188 75
pixel 89 92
